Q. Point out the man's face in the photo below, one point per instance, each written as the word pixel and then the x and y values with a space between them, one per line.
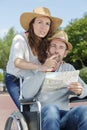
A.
pixel 59 48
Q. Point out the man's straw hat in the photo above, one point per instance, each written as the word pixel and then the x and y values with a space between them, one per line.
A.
pixel 61 35
pixel 26 17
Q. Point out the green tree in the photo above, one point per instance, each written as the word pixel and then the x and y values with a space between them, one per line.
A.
pixel 5 45
pixel 77 32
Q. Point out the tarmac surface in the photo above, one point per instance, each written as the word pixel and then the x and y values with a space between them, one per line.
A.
pixel 6 108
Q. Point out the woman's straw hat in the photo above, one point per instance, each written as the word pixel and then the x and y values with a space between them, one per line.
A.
pixel 61 35
pixel 26 17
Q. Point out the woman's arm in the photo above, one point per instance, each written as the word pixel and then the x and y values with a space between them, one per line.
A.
pixel 49 64
pixel 23 64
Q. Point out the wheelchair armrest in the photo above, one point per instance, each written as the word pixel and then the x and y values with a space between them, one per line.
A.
pixel 77 99
pixel 27 101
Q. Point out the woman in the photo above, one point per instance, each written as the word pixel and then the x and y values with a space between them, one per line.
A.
pixel 28 51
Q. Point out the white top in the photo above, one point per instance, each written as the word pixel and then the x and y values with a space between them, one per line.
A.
pixel 20 49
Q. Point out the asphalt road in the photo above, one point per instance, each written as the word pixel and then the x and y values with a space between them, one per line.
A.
pixel 6 108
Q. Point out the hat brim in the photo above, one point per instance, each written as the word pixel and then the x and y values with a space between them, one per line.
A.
pixel 26 18
pixel 69 45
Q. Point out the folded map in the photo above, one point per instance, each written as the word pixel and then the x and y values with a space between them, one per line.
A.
pixel 56 80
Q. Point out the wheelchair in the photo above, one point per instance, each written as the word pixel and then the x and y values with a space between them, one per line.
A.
pixel 17 121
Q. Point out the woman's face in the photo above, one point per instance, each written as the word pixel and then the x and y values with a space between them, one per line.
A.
pixel 41 26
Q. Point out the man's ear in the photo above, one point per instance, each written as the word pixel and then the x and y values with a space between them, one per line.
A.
pixel 66 52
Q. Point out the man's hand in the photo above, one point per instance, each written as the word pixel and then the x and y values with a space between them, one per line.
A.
pixel 76 88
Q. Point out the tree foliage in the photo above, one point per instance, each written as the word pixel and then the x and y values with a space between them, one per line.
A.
pixel 5 45
pixel 83 74
pixel 77 33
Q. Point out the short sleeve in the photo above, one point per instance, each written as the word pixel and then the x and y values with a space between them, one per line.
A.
pixel 18 47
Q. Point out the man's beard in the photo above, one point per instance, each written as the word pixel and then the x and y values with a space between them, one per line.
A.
pixel 58 59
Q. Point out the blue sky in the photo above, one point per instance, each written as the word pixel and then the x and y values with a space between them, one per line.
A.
pixel 10 11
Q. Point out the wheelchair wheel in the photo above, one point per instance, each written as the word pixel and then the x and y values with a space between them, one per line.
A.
pixel 16 121
pixel 13 124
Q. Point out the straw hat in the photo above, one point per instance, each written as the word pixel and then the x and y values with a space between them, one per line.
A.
pixel 61 35
pixel 26 17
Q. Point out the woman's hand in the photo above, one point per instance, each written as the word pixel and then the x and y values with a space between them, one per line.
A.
pixel 50 63
pixel 76 88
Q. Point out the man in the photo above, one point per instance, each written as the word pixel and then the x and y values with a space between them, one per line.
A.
pixel 55 112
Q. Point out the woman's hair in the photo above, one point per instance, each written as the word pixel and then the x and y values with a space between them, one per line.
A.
pixel 40 45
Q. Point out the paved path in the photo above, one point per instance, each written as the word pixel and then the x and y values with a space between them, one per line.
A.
pixel 6 108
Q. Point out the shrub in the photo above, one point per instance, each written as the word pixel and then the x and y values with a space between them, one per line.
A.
pixel 83 74
pixel 1 75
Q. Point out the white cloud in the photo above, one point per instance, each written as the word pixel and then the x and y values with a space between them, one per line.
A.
pixel 3 32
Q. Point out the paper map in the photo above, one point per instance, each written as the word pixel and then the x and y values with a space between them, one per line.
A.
pixel 56 80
